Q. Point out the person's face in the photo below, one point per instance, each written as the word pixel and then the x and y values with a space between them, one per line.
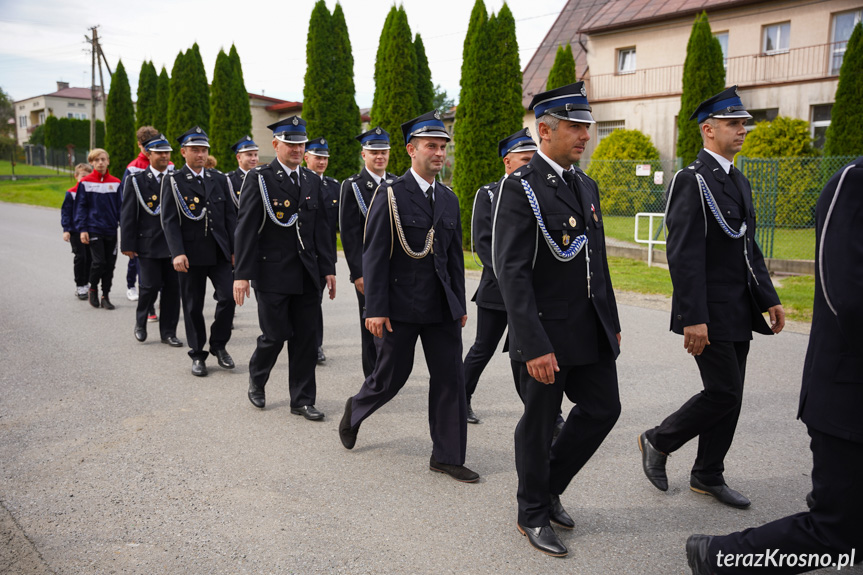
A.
pixel 427 155
pixel 195 156
pixel 317 164
pixel 289 154
pixel 515 160
pixel 247 160
pixel 159 160
pixel 81 174
pixel 566 144
pixel 100 163
pixel 376 160
pixel 725 136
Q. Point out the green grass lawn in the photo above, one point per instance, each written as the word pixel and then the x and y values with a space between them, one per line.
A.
pixel 42 192
pixel 24 170
pixel 788 244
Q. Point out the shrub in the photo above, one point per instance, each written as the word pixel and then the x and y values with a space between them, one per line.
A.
pixel 613 165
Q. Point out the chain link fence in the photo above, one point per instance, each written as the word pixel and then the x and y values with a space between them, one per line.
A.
pixel 784 194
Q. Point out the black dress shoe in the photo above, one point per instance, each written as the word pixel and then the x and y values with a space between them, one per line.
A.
pixel 199 368
pixel 256 394
pixel 321 357
pixel 224 358
pixel 471 416
pixel 558 514
pixel 545 539
pixel 722 493
pixel 653 463
pixel 810 500
pixel 696 554
pixel 457 472
pixel 348 434
pixel 310 412
pixel 141 333
pixel 106 303
pixel 94 297
pixel 172 341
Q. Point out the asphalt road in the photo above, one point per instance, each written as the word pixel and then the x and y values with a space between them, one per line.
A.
pixel 115 459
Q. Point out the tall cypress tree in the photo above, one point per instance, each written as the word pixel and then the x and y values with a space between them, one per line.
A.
pixel 241 109
pixel 379 59
pixel 844 136
pixel 221 106
pixel 319 73
pixel 425 88
pixel 163 95
pixel 396 99
pixel 200 88
pixel 147 88
pixel 562 72
pixel 703 76
pixel 177 96
pixel 345 114
pixel 189 104
pixel 120 121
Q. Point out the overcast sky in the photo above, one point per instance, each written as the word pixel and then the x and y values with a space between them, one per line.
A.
pixel 42 41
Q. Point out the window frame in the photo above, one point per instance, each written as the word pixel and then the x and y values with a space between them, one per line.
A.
pixel 620 53
pixel 836 50
pixel 779 38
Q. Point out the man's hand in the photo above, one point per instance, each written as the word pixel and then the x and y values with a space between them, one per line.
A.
pixel 233 261
pixel 542 368
pixel 695 338
pixel 464 320
pixel 181 263
pixel 131 255
pixel 618 339
pixel 85 238
pixel 331 286
pixel 67 236
pixel 241 291
pixel 376 325
pixel 777 318
pixel 361 287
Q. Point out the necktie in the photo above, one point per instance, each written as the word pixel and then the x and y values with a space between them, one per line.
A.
pixel 430 196
pixel 200 180
pixel 569 178
pixel 295 179
pixel 159 178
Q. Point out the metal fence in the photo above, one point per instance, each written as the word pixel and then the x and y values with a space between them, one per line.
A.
pixel 784 193
pixel 60 159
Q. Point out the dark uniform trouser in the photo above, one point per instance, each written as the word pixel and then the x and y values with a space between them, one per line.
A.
pixel 711 414
pixel 367 340
pixel 103 253
pixel 81 261
pixel 193 287
pixel 490 326
pixel 288 318
pixel 831 527
pixel 543 468
pixel 133 273
pixel 447 405
pixel 159 274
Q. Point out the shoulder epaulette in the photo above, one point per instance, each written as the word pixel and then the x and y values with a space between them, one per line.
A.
pixel 263 167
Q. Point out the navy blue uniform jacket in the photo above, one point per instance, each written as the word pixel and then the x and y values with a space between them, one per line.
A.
pixel 139 231
pixel 427 290
pixel 487 294
pixel 831 399
pixel 547 306
pixel 271 256
pixel 352 222
pixel 712 283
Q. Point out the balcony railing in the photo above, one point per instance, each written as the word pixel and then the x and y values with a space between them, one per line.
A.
pixel 807 63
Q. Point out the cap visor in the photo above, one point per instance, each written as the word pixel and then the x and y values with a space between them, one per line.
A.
pixel 432 134
pixel 581 116
pixel 292 139
pixel 737 114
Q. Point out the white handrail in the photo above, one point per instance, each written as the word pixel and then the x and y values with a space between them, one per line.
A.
pixel 649 241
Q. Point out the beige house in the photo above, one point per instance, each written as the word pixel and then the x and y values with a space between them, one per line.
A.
pixel 783 55
pixel 66 102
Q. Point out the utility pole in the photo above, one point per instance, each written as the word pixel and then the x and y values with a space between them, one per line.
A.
pixel 93 47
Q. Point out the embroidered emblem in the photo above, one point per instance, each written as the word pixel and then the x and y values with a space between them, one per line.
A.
pixel 198 130
pixel 436 115
pixel 583 91
pixel 369 185
pixel 517 174
pixel 378 131
pixel 188 176
pixel 295 121
pixel 323 141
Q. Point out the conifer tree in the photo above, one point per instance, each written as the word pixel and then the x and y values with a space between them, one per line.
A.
pixel 395 100
pixel 425 88
pixel 200 88
pixel 120 141
pixel 163 95
pixel 703 76
pixel 147 88
pixel 319 76
pixel 241 109
pixel 562 72
pixel 178 89
pixel 345 114
pixel 844 136
pixel 189 103
pixel 221 113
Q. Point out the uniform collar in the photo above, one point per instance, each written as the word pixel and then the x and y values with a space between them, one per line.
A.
pixel 423 184
pixel 196 174
pixel 288 170
pixel 157 172
pixel 554 165
pixel 723 161
pixel 374 176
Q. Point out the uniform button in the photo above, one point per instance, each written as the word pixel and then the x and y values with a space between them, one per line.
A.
pixel 591 251
pixel 679 317
pixel 591 274
pixel 263 258
pixel 540 314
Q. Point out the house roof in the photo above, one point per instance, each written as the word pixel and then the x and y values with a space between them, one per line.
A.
pixel 618 14
pixel 566 29
pixel 76 93
pixel 284 105
pixel 265 98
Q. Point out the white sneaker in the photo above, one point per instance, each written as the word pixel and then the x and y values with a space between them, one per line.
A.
pixel 82 290
pixel 132 293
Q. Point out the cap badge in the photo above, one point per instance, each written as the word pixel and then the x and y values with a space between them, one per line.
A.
pixel 436 115
pixel 527 132
pixel 323 142
pixel 295 122
pixel 583 91
pixel 248 139
pixel 378 131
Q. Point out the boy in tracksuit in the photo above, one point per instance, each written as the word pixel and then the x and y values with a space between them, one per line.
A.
pixel 81 261
pixel 97 216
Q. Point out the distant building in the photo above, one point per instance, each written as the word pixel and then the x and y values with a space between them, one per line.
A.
pixel 784 55
pixel 66 102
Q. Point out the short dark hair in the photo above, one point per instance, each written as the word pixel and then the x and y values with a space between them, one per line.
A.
pixel 145 133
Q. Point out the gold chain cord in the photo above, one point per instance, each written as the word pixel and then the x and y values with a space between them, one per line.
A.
pixel 398 223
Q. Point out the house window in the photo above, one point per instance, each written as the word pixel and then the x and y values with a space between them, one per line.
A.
pixel 723 42
pixel 41 118
pixel 22 121
pixel 843 25
pixel 70 115
pixel 765 115
pixel 81 104
pixel 83 116
pixel 819 123
pixel 70 104
pixel 626 61
pixel 776 38
pixel 603 129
